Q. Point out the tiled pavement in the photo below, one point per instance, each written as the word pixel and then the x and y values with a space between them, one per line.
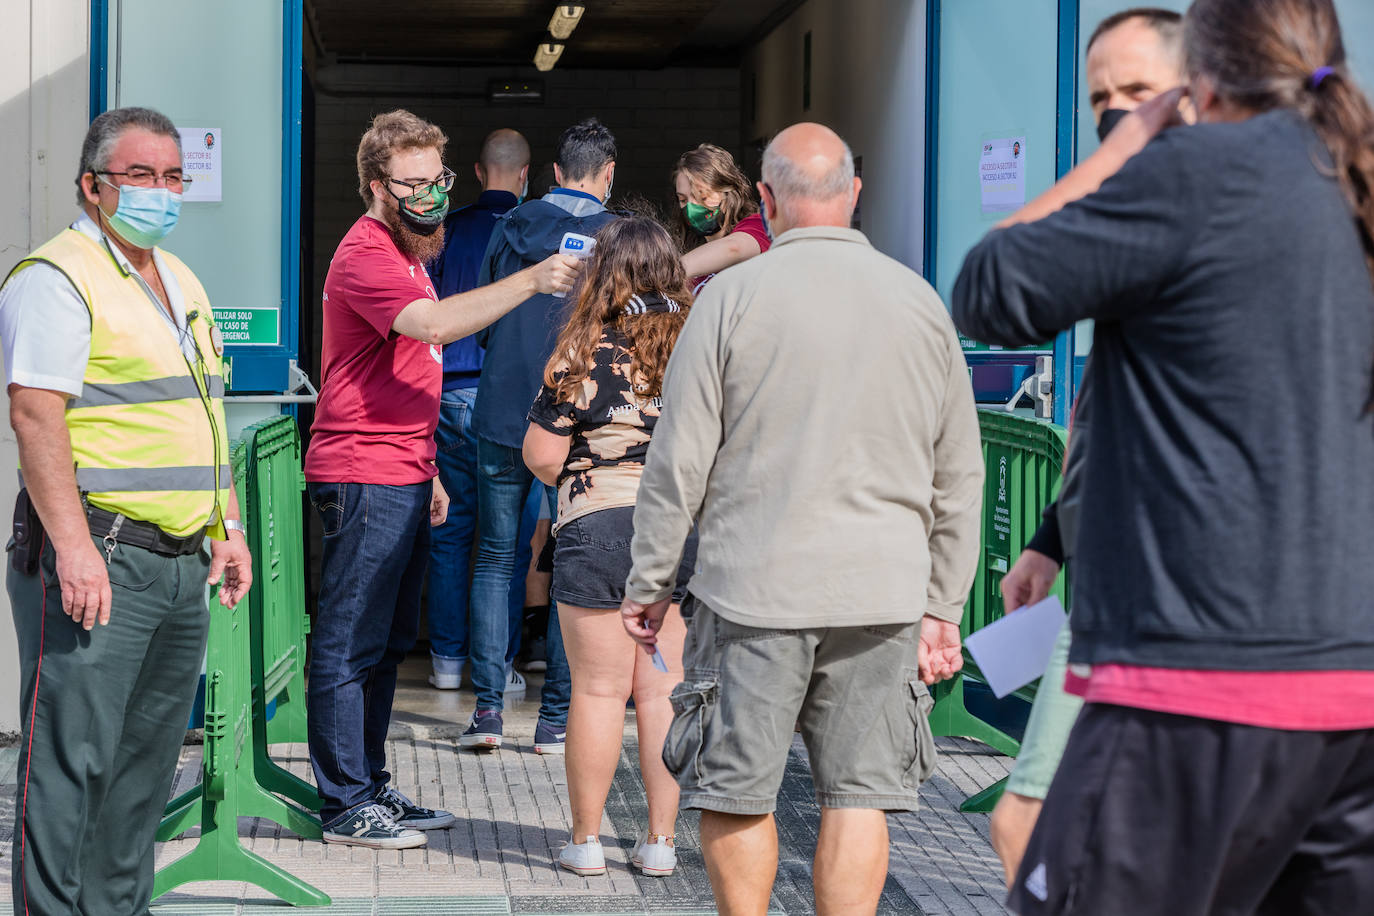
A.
pixel 513 816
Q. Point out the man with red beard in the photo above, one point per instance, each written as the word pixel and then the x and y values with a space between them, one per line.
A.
pixel 370 469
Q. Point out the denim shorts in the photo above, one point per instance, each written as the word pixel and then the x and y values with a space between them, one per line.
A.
pixel 863 711
pixel 591 560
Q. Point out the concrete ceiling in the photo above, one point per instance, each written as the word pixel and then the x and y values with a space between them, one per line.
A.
pixel 639 34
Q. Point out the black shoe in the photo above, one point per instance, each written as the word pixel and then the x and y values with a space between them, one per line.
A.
pixel 536 660
pixel 408 814
pixel 372 825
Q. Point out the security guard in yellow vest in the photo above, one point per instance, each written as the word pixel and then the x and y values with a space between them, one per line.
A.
pixel 115 391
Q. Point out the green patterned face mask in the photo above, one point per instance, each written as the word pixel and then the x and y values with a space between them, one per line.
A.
pixel 425 212
pixel 703 220
pixel 424 209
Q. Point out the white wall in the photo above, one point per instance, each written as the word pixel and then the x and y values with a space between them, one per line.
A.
pixel 868 82
pixel 44 88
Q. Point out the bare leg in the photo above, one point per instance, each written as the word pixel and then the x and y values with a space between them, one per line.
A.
pixel 653 715
pixel 601 659
pixel 1012 822
pixel 536 582
pixel 741 853
pixel 851 861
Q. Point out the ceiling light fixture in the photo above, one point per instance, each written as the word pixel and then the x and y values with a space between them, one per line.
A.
pixel 546 55
pixel 515 91
pixel 566 16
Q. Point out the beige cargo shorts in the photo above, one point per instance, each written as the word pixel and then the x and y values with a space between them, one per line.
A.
pixel 854 690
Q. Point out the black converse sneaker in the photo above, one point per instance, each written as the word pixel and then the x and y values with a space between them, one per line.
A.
pixel 372 825
pixel 408 814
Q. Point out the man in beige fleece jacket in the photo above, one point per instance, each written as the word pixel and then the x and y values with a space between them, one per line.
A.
pixel 819 429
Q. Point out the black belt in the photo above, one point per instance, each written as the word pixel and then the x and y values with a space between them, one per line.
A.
pixel 114 527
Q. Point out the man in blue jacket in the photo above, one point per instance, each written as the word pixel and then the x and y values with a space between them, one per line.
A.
pixel 517 347
pixel 502 169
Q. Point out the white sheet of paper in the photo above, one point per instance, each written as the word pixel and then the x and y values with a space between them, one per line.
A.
pixel 202 161
pixel 1016 649
pixel 659 662
pixel 1002 174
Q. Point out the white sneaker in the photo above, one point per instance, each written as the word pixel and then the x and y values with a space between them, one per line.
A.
pixel 583 858
pixel 515 682
pixel 655 855
pixel 448 672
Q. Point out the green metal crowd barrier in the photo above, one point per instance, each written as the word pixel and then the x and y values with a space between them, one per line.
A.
pixel 1024 458
pixel 275 483
pixel 255 660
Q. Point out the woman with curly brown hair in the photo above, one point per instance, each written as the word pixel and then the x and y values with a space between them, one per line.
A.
pixel 718 222
pixel 589 433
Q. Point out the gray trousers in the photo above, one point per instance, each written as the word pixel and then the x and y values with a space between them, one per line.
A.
pixel 104 714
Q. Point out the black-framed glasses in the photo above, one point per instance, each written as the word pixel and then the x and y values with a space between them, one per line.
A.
pixel 424 188
pixel 146 178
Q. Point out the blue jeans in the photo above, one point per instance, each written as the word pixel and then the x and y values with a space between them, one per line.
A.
pixel 450 549
pixel 376 544
pixel 502 484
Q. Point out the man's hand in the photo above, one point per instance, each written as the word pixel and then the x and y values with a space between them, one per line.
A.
pixel 438 505
pixel 642 621
pixel 556 273
pixel 1029 581
pixel 939 655
pixel 1128 138
pixel 231 560
pixel 1144 124
pixel 85 582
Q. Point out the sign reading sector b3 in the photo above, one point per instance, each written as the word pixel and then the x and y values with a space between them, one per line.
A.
pixel 249 327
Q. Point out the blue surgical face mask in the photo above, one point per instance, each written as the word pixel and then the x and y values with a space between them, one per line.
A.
pixel 144 216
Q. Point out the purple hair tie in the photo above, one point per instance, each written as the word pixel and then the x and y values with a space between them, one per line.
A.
pixel 1320 74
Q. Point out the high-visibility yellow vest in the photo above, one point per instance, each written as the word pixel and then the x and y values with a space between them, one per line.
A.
pixel 148 433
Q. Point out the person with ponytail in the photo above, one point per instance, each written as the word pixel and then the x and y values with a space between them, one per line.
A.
pixel 589 432
pixel 718 223
pixel 1223 632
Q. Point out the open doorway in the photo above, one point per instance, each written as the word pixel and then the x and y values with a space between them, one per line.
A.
pixel 663 75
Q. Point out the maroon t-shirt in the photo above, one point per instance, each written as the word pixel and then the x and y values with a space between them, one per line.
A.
pixel 752 226
pixel 379 401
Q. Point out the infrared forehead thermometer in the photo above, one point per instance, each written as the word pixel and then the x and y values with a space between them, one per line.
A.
pixel 577 246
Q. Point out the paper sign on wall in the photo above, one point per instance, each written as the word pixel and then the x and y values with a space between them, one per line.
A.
pixel 1002 174
pixel 202 162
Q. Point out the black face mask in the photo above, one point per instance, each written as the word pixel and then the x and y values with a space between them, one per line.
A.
pixel 1110 118
pixel 422 224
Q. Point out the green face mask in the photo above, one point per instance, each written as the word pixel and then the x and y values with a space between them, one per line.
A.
pixel 424 213
pixel 702 219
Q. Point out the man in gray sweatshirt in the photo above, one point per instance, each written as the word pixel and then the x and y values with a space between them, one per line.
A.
pixel 819 430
